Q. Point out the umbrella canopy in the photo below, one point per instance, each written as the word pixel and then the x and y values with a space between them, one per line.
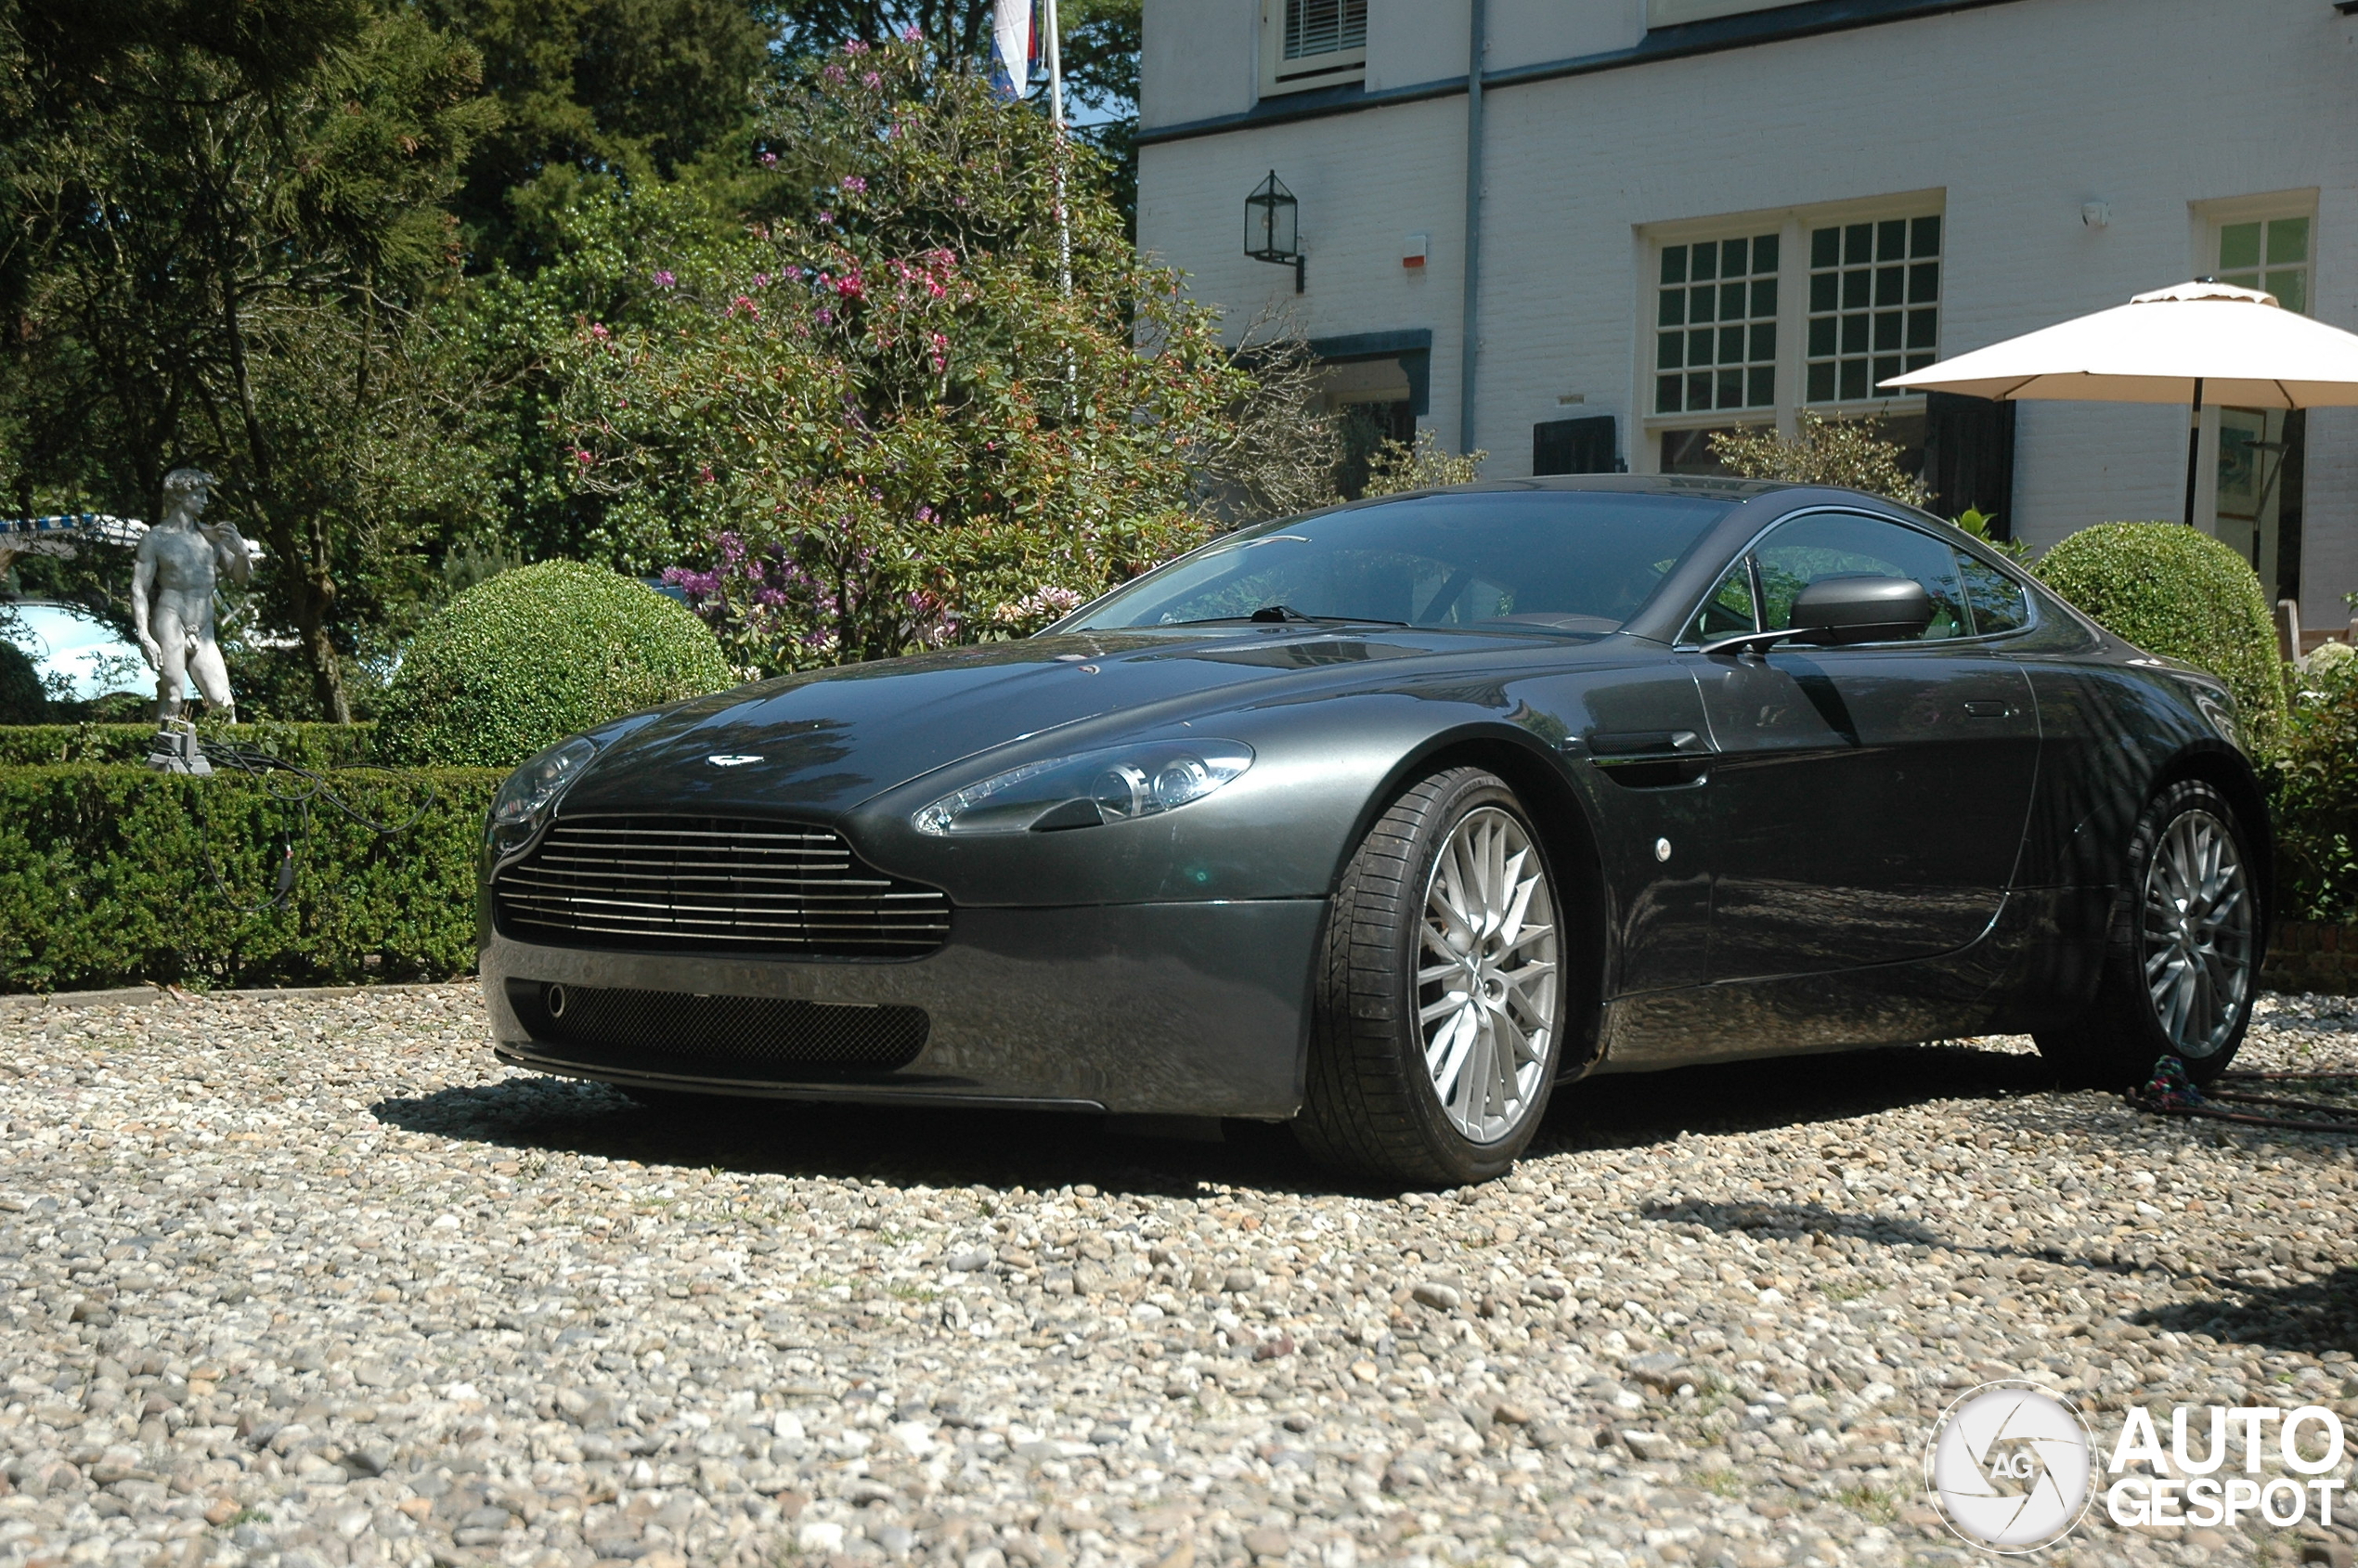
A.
pixel 2198 343
pixel 2208 341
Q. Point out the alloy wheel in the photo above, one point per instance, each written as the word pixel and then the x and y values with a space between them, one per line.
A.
pixel 2198 933
pixel 1486 979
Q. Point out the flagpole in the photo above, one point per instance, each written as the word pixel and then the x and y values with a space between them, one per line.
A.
pixel 1056 118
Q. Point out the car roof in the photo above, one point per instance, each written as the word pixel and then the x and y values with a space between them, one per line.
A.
pixel 1623 483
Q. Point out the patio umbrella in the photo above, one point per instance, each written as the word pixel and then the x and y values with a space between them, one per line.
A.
pixel 2192 344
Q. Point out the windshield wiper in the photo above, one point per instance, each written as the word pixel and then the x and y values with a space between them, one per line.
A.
pixel 1271 614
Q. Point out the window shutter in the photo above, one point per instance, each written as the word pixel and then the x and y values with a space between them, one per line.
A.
pixel 1583 445
pixel 1969 458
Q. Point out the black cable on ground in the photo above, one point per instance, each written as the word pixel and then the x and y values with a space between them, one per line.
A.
pixel 297 799
pixel 2171 1092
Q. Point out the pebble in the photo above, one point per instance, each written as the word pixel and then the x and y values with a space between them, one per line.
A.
pixel 310 1281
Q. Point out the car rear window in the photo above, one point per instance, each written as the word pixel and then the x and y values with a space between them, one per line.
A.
pixel 1576 563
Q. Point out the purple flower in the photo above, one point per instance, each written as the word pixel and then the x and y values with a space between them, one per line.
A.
pixel 871 79
pixel 855 185
pixel 768 160
pixel 826 217
pixel 826 317
pixel 761 280
pixel 664 279
pixel 913 33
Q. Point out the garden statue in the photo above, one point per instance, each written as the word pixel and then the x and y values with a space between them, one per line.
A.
pixel 179 561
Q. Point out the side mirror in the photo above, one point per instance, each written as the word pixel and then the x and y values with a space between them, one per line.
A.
pixel 1862 609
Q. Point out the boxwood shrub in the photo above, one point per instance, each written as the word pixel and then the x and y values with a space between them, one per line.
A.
pixel 104 878
pixel 525 659
pixel 2176 591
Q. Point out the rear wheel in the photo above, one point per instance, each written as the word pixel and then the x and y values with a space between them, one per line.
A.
pixel 2180 965
pixel 1439 1009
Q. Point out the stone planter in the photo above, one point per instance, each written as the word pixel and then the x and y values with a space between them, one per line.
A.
pixel 2314 955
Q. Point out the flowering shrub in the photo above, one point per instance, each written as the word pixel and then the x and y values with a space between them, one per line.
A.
pixel 894 426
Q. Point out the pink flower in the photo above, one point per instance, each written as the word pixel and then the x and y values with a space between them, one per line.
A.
pixel 768 160
pixel 598 332
pixel 761 280
pixel 705 474
pixel 745 303
pixel 870 79
pixel 583 456
pixel 826 217
pixel 664 279
pixel 850 287
pixel 855 185
pixel 913 33
pixel 855 46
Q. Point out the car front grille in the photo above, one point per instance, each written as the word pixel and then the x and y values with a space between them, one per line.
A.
pixel 741 1037
pixel 715 886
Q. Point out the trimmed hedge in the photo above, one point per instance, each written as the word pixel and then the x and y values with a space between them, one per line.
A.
pixel 520 661
pixel 2179 592
pixel 307 745
pixel 103 879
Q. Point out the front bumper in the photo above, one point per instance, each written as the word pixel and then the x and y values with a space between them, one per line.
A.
pixel 1189 1009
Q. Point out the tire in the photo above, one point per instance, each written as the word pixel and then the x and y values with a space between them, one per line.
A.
pixel 1377 1104
pixel 2182 961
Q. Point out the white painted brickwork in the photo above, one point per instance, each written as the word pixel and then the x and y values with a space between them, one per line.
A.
pixel 2020 112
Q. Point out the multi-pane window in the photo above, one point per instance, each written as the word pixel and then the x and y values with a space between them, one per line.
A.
pixel 1716 326
pixel 1874 305
pixel 2270 254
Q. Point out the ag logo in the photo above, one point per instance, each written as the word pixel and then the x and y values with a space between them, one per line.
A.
pixel 2008 1466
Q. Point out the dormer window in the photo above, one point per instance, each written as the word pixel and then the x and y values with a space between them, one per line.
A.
pixel 1310 43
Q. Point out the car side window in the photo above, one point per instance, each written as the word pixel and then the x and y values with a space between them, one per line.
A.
pixel 1836 544
pixel 1727 613
pixel 1997 601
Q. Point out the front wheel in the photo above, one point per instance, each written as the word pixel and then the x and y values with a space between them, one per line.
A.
pixel 1439 1009
pixel 2183 956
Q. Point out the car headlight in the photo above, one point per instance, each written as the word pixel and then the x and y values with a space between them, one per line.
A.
pixel 1113 785
pixel 523 804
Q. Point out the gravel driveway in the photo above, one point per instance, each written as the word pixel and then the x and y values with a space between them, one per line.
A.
pixel 309 1279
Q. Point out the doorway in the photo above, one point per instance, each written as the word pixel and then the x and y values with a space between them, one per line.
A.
pixel 2261 454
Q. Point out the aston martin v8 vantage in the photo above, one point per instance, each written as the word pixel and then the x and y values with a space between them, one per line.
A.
pixel 1389 820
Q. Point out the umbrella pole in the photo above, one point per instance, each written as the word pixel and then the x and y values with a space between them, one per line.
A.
pixel 2193 450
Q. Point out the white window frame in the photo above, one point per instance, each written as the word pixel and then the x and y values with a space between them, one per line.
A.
pixel 1670 13
pixel 2213 218
pixel 1792 224
pixel 1337 68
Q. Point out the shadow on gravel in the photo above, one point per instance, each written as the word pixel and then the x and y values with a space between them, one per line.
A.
pixel 2315 1317
pixel 1044 1149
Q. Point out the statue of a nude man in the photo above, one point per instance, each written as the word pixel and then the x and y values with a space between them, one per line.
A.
pixel 178 563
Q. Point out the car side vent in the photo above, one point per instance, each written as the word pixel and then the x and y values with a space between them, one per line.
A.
pixel 713 886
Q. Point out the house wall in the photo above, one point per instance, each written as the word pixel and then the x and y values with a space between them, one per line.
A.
pixel 2019 113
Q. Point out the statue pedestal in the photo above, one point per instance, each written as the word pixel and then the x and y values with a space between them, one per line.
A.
pixel 174 748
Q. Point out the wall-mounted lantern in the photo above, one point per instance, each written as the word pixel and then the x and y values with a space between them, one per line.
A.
pixel 1272 230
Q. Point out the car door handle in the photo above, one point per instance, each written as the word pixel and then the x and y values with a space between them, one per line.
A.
pixel 1989 710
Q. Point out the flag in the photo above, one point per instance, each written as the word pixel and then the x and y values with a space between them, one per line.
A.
pixel 1014 46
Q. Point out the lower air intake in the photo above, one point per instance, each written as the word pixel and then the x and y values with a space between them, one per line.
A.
pixel 748 1036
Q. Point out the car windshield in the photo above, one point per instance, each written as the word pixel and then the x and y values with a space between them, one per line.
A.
pixel 1571 562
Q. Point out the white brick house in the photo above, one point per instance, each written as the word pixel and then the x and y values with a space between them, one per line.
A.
pixel 1697 213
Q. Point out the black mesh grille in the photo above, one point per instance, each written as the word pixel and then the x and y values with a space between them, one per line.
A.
pixel 690 884
pixel 732 1036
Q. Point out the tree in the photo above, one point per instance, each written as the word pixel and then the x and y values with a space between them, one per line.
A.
pixel 895 426
pixel 599 92
pixel 1854 454
pixel 223 234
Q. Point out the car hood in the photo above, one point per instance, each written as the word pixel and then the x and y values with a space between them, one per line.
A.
pixel 824 741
